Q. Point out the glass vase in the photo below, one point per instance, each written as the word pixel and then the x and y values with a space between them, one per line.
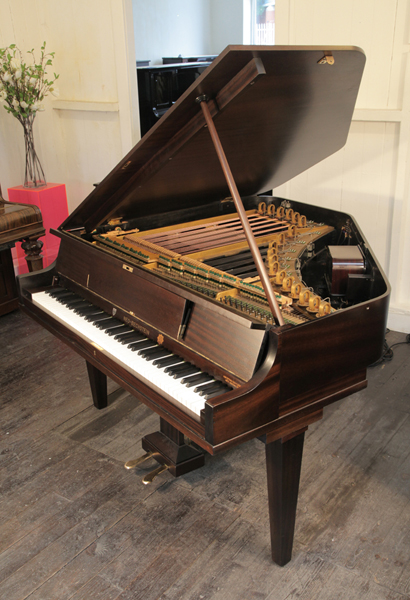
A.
pixel 34 174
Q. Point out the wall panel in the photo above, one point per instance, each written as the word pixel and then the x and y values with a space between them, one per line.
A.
pixel 369 178
pixel 84 133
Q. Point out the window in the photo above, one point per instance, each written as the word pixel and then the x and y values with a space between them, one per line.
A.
pixel 259 22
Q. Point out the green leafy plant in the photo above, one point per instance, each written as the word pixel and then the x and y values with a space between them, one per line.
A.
pixel 23 87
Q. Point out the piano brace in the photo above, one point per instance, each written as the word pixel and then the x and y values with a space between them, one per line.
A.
pixel 256 255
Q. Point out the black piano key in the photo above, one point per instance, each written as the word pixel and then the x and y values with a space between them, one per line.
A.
pixel 209 387
pixel 195 379
pixel 167 361
pixel 181 370
pixel 118 329
pixel 79 305
pixel 98 317
pixel 55 291
pixel 153 353
pixel 178 366
pixel 107 323
pixel 188 371
pixel 62 298
pixel 71 302
pixel 218 392
pixel 129 336
pixel 141 345
pixel 88 312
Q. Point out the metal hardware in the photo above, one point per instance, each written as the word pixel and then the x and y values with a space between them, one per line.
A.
pixel 151 476
pixel 131 464
pixel 327 59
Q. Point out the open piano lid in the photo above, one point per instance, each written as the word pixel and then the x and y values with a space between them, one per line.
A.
pixel 278 110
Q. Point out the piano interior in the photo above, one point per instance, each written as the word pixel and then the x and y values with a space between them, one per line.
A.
pixel 212 258
pixel 157 284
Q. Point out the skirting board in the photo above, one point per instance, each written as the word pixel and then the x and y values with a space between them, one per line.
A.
pixel 399 319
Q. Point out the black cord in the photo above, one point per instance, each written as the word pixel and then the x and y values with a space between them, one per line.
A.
pixel 387 353
pixel 405 342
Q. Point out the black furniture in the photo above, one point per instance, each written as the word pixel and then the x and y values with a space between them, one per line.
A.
pixel 159 87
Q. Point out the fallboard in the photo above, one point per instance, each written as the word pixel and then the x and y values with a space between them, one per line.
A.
pixel 214 333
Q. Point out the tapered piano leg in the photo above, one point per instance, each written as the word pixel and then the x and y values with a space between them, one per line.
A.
pixel 283 463
pixel 98 384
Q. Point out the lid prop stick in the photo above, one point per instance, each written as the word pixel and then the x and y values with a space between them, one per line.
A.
pixel 262 272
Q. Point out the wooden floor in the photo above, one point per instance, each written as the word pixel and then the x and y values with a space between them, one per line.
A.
pixel 75 524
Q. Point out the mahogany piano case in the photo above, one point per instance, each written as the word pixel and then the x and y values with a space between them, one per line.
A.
pixel 157 284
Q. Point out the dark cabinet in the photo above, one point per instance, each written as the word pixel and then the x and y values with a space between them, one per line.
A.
pixel 160 86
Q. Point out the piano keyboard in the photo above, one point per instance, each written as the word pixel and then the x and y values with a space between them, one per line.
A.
pixel 171 376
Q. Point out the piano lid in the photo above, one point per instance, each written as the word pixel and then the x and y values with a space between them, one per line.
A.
pixel 278 110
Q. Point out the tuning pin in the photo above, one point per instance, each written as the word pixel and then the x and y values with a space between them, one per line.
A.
pixel 262 208
pixel 280 212
pixel 304 297
pixel 287 283
pixel 280 276
pixel 271 210
pixel 314 303
pixel 273 268
pixel 131 464
pixel 291 232
pixel 295 290
pixel 151 476
pixel 272 256
pixel 324 308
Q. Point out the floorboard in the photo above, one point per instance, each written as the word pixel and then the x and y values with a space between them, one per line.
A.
pixel 75 525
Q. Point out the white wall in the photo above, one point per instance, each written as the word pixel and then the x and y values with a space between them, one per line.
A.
pixel 186 27
pixel 171 27
pixel 81 136
pixel 369 178
pixel 226 24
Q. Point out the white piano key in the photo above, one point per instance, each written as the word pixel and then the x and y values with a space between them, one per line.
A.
pixel 143 369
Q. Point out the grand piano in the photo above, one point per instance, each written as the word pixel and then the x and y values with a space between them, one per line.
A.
pixel 232 314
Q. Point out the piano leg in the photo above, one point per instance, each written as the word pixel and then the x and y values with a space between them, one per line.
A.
pixel 169 447
pixel 283 463
pixel 32 249
pixel 8 289
pixel 98 384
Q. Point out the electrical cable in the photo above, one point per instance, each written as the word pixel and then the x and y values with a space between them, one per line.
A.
pixel 387 353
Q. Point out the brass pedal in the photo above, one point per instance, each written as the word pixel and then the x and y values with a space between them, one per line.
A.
pixel 149 478
pixel 131 464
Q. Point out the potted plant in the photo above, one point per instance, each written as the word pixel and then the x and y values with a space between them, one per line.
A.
pixel 23 86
